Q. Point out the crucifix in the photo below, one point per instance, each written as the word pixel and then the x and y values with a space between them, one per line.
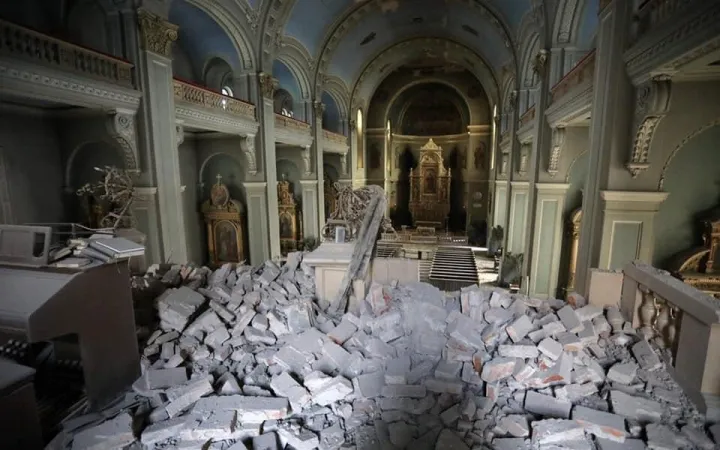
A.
pixel 218 177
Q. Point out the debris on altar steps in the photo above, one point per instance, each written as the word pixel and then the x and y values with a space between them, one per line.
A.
pixel 243 358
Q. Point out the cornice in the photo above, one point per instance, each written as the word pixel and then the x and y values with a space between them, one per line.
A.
pixel 571 106
pixel 652 198
pixel 31 81
pixel 198 117
pixel 295 138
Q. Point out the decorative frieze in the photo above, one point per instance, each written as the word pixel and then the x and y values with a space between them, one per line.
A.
pixel 248 147
pixel 580 74
pixel 156 34
pixel 652 104
pixel 558 140
pixel 200 96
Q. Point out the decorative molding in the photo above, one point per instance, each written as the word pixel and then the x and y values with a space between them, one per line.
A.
pixel 292 131
pixel 558 140
pixel 520 185
pixel 319 108
pixel 199 117
pixel 305 154
pixel 267 85
pixel 120 126
pixel 334 142
pixel 653 199
pixel 550 187
pixel 248 148
pixel 682 144
pixel 41 83
pixel 566 21
pixel 275 14
pixel 652 104
pixel 200 96
pixel 572 164
pixel 157 34
pixel 179 135
pixel 577 104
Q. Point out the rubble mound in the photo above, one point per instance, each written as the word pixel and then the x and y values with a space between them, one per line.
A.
pixel 244 359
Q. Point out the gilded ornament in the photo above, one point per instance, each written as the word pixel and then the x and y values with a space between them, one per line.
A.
pixel 157 33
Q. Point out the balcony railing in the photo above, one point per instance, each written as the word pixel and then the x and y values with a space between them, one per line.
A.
pixel 25 44
pixel 527 117
pixel 200 96
pixel 334 137
pixel 680 319
pixel 291 124
pixel 582 72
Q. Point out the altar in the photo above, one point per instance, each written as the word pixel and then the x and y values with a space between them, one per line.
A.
pixel 430 188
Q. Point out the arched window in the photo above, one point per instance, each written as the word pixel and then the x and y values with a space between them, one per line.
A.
pixel 227 91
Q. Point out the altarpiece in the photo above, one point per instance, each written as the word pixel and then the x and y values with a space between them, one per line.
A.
pixel 430 188
pixel 224 218
pixel 290 230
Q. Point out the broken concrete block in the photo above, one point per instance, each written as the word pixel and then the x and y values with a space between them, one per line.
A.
pixel 297 438
pixel 285 386
pixel 601 424
pixel 553 328
pixel 342 332
pixel 637 408
pixel 444 386
pixel 449 440
pixel 115 433
pixel 498 369
pixel 450 415
pixel 161 378
pixel 515 425
pixel 588 312
pixel 448 370
pixel 570 341
pixel 396 370
pixel 227 384
pixel 661 437
pixel 518 351
pixel 369 385
pixel 404 390
pixel 498 316
pixel 545 405
pixel 177 306
pixel 697 437
pixel 331 390
pixel 182 397
pixel 551 348
pixel 336 355
pixel 646 356
pixel 162 431
pixel 573 393
pixel 216 338
pixel 510 444
pixel 629 444
pixel 266 441
pixel 249 409
pixel 555 431
pixel 256 336
pixel 623 373
pixel 520 328
pixel 570 319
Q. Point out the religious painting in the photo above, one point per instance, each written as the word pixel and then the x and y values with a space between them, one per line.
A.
pixel 286 228
pixel 479 156
pixel 288 219
pixel 224 218
pixel 430 182
pixel 226 241
pixel 374 157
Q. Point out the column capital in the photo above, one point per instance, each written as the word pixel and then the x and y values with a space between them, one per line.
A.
pixel 157 34
pixel 319 109
pixel 267 84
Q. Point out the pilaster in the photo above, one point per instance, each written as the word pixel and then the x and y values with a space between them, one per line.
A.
pixel 158 120
pixel 609 130
pixel 500 204
pixel 311 212
pixel 540 142
pixel 506 166
pixel 267 123
pixel 517 220
pixel 318 141
pixel 257 221
pixel 628 227
pixel 547 243
pixel 354 148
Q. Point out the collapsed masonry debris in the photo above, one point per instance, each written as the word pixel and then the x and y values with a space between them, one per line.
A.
pixel 244 359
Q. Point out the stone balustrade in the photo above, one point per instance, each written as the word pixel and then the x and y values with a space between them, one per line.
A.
pixel 334 138
pixel 290 124
pixel 680 319
pixel 653 13
pixel 527 117
pixel 201 96
pixel 578 75
pixel 28 45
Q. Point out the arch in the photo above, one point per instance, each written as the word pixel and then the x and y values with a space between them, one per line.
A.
pixel 569 17
pixel 332 118
pixel 283 103
pixel 530 50
pixel 203 165
pixel 296 58
pixel 338 90
pixel 404 102
pixel 182 65
pixel 217 73
pixel 330 171
pixel 394 56
pixel 273 16
pixel 682 144
pixel 119 152
pixel 235 18
pixel 287 81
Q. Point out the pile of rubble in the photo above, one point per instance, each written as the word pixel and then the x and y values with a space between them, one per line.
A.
pixel 245 359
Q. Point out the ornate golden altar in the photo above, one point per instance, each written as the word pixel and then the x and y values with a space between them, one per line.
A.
pixel 290 232
pixel 224 219
pixel 430 188
pixel 698 266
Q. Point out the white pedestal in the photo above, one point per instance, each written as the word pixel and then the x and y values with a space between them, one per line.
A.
pixel 330 262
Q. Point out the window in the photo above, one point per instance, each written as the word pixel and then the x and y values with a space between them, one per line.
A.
pixel 286 113
pixel 227 91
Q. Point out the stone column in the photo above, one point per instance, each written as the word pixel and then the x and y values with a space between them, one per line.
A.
pixel 609 129
pixel 267 125
pixel 628 227
pixel 540 142
pixel 318 142
pixel 257 220
pixel 310 208
pixel 547 244
pixel 158 123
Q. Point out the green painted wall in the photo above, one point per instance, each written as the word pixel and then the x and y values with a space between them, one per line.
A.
pixel 500 206
pixel 693 182
pixel 625 244
pixel 546 243
pixel 519 209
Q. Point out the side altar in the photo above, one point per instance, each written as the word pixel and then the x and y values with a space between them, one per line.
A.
pixel 430 188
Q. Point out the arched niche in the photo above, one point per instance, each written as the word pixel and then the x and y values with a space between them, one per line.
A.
pixel 217 74
pixel 291 86
pixel 87 26
pixel 331 115
pixel 289 171
pixel 677 224
pixel 283 103
pixel 80 170
pixel 232 175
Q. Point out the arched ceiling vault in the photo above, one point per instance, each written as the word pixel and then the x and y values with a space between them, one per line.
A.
pixel 399 54
pixel 459 99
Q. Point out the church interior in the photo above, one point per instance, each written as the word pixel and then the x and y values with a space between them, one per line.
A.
pixel 540 144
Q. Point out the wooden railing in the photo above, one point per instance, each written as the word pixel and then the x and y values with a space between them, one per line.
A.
pixel 26 44
pixel 653 13
pixel 291 124
pixel 335 137
pixel 680 319
pixel 527 117
pixel 200 96
pixel 583 71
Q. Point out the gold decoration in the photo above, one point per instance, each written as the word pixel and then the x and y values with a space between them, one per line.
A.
pixel 224 220
pixel 430 188
pixel 574 227
pixel 288 217
pixel 698 266
pixel 157 34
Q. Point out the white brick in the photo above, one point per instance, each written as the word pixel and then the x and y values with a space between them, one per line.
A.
pixel 444 386
pixel 570 319
pixel 342 332
pixel 520 328
pixel 547 406
pixel 515 425
pixel 396 370
pixel 369 385
pixel 646 356
pixel 588 312
pixel 249 409
pixel 551 348
pixel 285 386
pixel 518 351
pixel 623 373
pixel 601 424
pixel 498 369
pixel 636 408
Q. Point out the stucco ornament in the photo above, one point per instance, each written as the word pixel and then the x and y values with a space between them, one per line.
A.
pixel 248 147
pixel 267 84
pixel 558 139
pixel 343 164
pixel 120 126
pixel 652 104
pixel 307 161
pixel 539 64
pixel 157 34
pixel 319 109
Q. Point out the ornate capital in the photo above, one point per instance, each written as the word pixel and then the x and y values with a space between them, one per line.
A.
pixel 652 104
pixel 248 147
pixel 157 34
pixel 539 64
pixel 120 126
pixel 267 84
pixel 352 125
pixel 319 109
pixel 558 139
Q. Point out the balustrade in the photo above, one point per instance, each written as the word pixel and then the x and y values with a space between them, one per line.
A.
pixel 289 123
pixel 25 44
pixel 200 96
pixel 334 137
pixel 583 71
